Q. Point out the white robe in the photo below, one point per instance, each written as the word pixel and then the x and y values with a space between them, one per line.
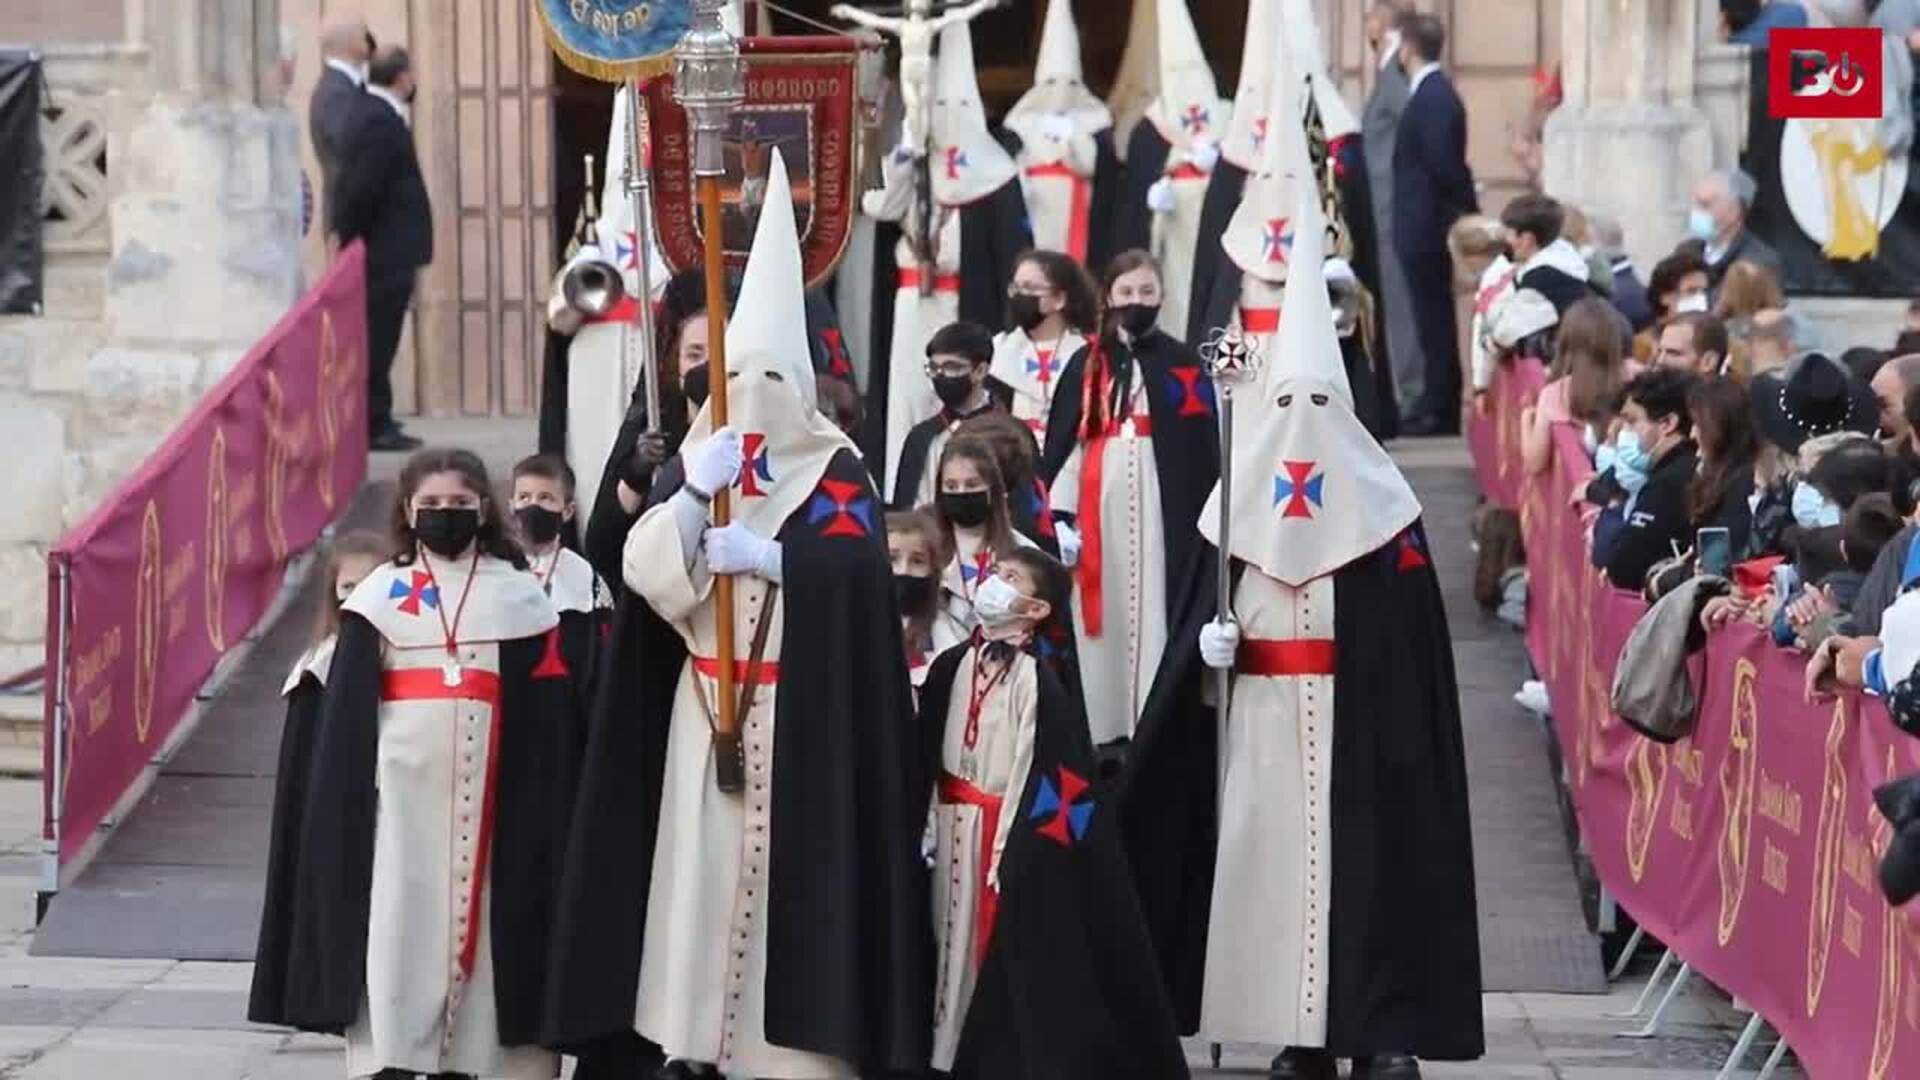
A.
pixel 1059 199
pixel 1176 238
pixel 1266 966
pixel 421 1013
pixel 1117 666
pixel 997 767
pixel 916 318
pixel 597 395
pixel 955 620
pixel 1032 371
pixel 703 971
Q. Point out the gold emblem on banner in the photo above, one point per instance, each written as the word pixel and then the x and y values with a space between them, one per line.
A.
pixel 147 606
pixel 1826 859
pixel 329 420
pixel 1646 782
pixel 1736 795
pixel 1886 1009
pixel 216 577
pixel 277 454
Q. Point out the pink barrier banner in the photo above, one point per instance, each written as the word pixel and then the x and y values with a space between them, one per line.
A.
pixel 176 566
pixel 1752 847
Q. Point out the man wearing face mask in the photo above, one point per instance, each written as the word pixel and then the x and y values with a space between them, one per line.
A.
pixel 381 198
pixel 1651 464
pixel 958 358
pixel 1719 220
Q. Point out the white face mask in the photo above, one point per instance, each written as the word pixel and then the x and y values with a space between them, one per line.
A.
pixel 1691 302
pixel 994 601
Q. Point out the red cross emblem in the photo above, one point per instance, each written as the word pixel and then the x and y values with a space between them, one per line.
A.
pixel 1301 489
pixel 422 591
pixel 1413 554
pixel 956 160
pixel 553 663
pixel 844 508
pixel 1040 366
pixel 1259 133
pixel 759 470
pixel 1066 815
pixel 1193 395
pixel 1276 240
pixel 626 248
pixel 1194 120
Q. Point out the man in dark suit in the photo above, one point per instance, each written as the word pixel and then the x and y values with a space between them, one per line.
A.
pixel 1380 130
pixel 345 49
pixel 1432 187
pixel 381 198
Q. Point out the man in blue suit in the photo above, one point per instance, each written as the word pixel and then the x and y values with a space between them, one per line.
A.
pixel 1432 188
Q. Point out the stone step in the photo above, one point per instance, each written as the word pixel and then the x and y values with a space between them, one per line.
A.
pixel 19 762
pixel 20 721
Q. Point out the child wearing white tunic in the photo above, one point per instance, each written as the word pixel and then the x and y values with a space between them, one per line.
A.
pixel 974 517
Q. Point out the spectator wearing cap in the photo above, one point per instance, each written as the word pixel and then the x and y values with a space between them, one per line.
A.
pixel 1693 341
pixel 1721 200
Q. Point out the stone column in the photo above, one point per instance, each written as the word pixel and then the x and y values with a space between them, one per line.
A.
pixel 1629 139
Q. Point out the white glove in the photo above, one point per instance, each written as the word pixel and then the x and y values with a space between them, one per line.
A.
pixel 1160 196
pixel 714 465
pixel 1219 642
pixel 1069 538
pixel 1205 154
pixel 736 549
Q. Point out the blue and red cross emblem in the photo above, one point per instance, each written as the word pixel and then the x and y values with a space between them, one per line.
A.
pixel 843 507
pixel 421 591
pixel 1195 119
pixel 1276 240
pixel 1259 132
pixel 1040 366
pixel 1413 552
pixel 956 160
pixel 626 249
pixel 1298 491
pixel 1191 390
pixel 753 445
pixel 1066 808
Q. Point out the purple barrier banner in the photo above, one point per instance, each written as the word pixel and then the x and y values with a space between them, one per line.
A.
pixel 176 566
pixel 1752 847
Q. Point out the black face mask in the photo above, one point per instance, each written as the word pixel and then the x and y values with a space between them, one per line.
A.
pixel 967 509
pixel 914 594
pixel 953 390
pixel 1137 319
pixel 446 530
pixel 694 385
pixel 1023 311
pixel 541 525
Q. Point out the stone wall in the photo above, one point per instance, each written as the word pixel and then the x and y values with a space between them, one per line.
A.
pixel 172 245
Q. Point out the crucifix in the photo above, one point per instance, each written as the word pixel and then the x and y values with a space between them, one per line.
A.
pixel 916 27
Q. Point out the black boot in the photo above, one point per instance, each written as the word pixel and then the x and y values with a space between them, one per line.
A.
pixel 1301 1063
pixel 1386 1067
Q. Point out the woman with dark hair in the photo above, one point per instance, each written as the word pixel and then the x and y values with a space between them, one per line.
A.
pixel 1132 453
pixel 1014 448
pixel 423 891
pixel 1051 308
pixel 1727 444
pixel 975 528
pixel 680 332
pixel 917 547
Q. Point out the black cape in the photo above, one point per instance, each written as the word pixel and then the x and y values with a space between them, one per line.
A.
pixel 1131 223
pixel 1356 202
pixel 326 965
pixel 848 934
pixel 916 450
pixel 1109 188
pixel 1186 435
pixel 608 525
pixel 993 233
pixel 1403 940
pixel 267 1002
pixel 1068 985
pixel 1224 188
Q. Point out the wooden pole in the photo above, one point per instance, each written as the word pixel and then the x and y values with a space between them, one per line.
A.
pixel 729 766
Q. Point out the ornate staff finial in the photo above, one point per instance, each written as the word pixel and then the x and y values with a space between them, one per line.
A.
pixel 1230 355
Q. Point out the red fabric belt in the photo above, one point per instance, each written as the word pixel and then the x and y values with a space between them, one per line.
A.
pixel 957 792
pixel 910 279
pixel 429 684
pixel 1296 656
pixel 1187 171
pixel 1077 206
pixel 1260 320
pixel 1092 474
pixel 626 311
pixel 710 667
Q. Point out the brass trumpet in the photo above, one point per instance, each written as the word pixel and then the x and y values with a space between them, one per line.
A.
pixel 590 286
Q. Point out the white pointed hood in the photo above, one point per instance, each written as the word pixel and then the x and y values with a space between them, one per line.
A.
pixel 1261 62
pixel 1137 82
pixel 1313 491
pixel 1303 32
pixel 770 390
pixel 1188 111
pixel 615 227
pixel 968 163
pixel 1058 118
pixel 1261 235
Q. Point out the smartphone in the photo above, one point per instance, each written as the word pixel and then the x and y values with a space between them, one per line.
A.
pixel 1715 549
